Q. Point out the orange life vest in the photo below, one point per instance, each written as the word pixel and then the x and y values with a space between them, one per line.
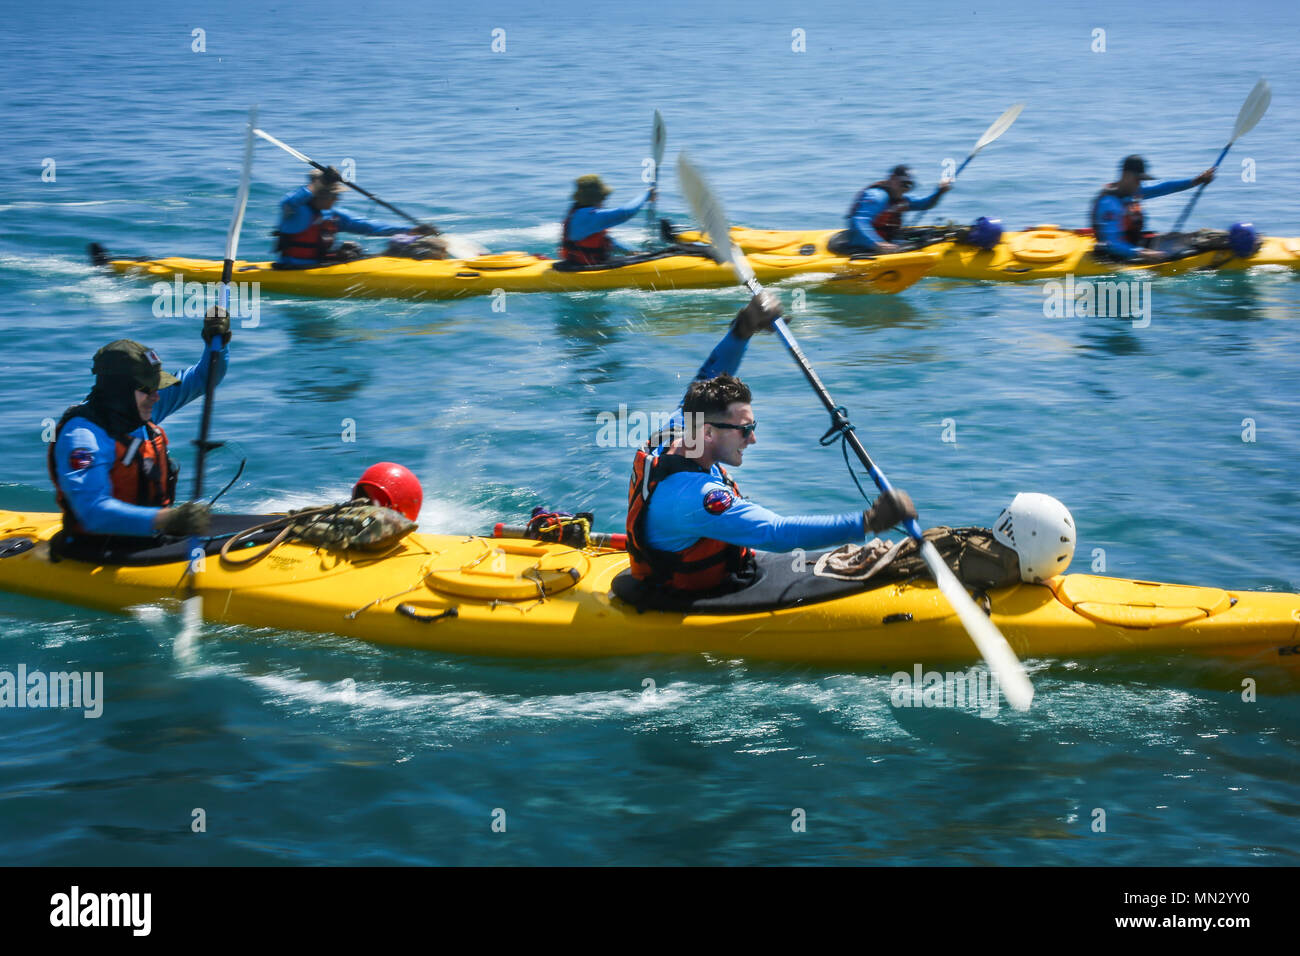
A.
pixel 313 243
pixel 1133 222
pixel 591 251
pixel 889 220
pixel 142 473
pixel 701 567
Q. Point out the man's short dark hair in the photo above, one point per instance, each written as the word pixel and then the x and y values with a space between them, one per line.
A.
pixel 712 396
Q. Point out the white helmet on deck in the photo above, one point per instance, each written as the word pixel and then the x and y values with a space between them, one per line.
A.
pixel 1041 532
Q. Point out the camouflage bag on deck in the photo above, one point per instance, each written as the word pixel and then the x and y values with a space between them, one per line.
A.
pixel 978 559
pixel 364 527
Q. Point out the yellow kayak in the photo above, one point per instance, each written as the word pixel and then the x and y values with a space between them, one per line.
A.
pixel 514 597
pixel 1044 252
pixel 389 277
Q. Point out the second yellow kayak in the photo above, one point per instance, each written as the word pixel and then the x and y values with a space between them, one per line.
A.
pixel 1043 252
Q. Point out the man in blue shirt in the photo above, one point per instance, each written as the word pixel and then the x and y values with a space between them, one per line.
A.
pixel 688 526
pixel 1116 216
pixel 876 215
pixel 309 223
pixel 584 239
pixel 109 462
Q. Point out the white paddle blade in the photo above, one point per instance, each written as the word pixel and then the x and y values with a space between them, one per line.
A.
pixel 463 247
pixel 1253 110
pixel 183 647
pixel 658 140
pixel 241 198
pixel 997 653
pixel 284 146
pixel 709 213
pixel 1000 126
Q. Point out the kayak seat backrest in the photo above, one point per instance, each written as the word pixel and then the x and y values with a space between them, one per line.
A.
pixel 776 584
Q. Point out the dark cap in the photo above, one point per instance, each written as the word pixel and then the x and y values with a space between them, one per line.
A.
pixel 902 172
pixel 135 362
pixel 1134 164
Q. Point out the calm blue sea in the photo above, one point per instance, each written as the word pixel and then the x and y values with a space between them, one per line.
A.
pixel 317 750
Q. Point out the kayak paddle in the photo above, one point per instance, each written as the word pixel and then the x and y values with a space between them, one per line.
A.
pixel 1252 111
pixel 658 140
pixel 193 610
pixel 1000 126
pixel 1001 659
pixel 465 248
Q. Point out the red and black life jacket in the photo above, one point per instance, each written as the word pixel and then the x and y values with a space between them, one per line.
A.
pixel 889 220
pixel 591 251
pixel 701 567
pixel 312 243
pixel 143 472
pixel 1133 222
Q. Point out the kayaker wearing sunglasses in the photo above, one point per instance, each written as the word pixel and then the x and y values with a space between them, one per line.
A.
pixel 688 527
pixel 112 474
pixel 876 215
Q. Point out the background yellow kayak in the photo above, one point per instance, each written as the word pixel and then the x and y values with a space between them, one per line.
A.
pixel 523 598
pixel 385 277
pixel 1044 252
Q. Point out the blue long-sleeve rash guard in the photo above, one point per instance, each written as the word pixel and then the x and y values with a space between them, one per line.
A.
pixel 296 214
pixel 592 219
pixel 1110 216
pixel 677 517
pixel 872 203
pixel 89 489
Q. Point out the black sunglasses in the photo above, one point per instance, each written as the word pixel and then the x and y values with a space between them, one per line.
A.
pixel 745 430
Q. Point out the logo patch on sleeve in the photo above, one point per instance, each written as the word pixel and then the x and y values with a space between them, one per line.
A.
pixel 718 501
pixel 80 459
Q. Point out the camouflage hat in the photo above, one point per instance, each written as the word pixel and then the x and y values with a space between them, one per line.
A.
pixel 590 189
pixel 131 360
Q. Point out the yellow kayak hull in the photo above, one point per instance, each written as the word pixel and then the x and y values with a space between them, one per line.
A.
pixel 1044 252
pixel 494 588
pixel 388 277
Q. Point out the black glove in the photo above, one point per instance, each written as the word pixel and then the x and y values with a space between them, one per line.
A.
pixel 891 508
pixel 427 229
pixel 761 313
pixel 181 521
pixel 216 322
pixel 330 176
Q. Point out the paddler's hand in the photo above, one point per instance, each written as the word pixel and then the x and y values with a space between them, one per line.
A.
pixel 945 185
pixel 1205 177
pixel 191 518
pixel 759 316
pixel 654 194
pixel 427 229
pixel 891 508
pixel 216 322
pixel 1152 255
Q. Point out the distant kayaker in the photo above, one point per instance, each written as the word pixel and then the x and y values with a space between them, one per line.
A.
pixel 1117 218
pixel 309 222
pixel 688 528
pixel 112 474
pixel 585 239
pixel 876 214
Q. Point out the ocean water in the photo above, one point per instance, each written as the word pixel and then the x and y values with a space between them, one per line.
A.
pixel 307 749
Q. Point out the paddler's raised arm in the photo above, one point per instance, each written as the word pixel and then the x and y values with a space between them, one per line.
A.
pixel 757 316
